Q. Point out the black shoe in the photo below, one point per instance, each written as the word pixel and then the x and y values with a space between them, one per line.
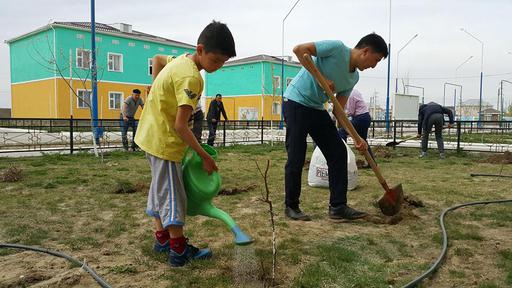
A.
pixel 345 212
pixel 296 214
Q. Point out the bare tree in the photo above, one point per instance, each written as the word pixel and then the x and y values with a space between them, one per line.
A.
pixel 265 198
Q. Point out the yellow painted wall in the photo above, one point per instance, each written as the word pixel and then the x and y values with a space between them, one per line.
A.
pixel 233 103
pixel 34 99
pixel 103 99
pixel 37 99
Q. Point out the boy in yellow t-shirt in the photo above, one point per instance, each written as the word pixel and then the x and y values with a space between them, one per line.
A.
pixel 164 134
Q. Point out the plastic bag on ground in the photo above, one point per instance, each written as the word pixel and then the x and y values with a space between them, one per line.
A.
pixel 318 175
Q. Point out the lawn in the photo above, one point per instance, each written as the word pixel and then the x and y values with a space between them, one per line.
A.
pixel 69 203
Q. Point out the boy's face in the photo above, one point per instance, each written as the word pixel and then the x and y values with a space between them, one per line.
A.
pixel 369 59
pixel 210 61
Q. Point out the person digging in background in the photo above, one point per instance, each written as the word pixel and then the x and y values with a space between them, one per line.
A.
pixel 361 120
pixel 164 134
pixel 432 114
pixel 213 117
pixel 128 111
pixel 304 114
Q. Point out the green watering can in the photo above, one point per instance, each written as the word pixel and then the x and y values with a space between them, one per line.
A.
pixel 201 188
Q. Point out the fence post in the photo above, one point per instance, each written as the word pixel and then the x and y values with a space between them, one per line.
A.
pixel 458 136
pixel 224 133
pixel 71 134
pixel 373 128
pixel 394 133
pixel 261 130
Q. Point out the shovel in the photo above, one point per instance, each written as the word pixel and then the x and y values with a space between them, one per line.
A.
pixel 394 143
pixel 392 199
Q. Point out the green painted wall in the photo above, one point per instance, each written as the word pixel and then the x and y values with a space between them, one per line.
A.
pixel 31 57
pixel 135 55
pixel 245 79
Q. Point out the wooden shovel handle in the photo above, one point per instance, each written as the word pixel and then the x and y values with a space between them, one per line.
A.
pixel 341 116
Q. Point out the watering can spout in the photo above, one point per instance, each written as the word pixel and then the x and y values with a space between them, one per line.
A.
pixel 201 188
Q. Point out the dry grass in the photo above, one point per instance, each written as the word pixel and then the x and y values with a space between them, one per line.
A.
pixel 67 203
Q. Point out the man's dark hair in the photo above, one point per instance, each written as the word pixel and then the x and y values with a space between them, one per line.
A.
pixel 136 91
pixel 375 42
pixel 217 38
pixel 218 95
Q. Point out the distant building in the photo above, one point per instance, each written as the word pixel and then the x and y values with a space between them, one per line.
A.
pixel 123 60
pixel 470 108
pixel 251 87
pixel 491 114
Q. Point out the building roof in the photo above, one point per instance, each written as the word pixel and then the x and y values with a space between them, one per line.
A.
pixel 475 102
pixel 261 58
pixel 491 111
pixel 106 29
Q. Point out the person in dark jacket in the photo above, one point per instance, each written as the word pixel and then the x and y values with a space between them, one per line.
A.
pixel 213 117
pixel 432 114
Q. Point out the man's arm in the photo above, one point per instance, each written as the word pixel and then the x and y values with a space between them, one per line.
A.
pixel 181 127
pixel 124 111
pixel 310 49
pixel 450 115
pixel 420 122
pixel 223 111
pixel 159 62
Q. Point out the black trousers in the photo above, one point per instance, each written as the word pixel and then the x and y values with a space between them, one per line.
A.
pixel 212 131
pixel 301 121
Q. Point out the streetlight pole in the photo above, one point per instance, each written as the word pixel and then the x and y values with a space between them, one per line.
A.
pixel 282 64
pixel 481 73
pixel 398 54
pixel 389 73
pixel 456 81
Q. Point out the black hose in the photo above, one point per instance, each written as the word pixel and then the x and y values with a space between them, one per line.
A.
pixel 441 257
pixel 84 266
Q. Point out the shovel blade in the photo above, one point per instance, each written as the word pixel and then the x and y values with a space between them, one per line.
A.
pixel 392 144
pixel 391 202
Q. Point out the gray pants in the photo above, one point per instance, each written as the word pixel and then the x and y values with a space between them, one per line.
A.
pixel 167 199
pixel 435 120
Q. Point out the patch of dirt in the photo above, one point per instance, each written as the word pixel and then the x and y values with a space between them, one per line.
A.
pixel 306 163
pixel 123 187
pixel 236 190
pixel 142 187
pixel 11 174
pixel 505 158
pixel 381 152
pixel 410 202
pixel 360 163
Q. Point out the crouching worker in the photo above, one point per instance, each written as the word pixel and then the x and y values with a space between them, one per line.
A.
pixel 164 135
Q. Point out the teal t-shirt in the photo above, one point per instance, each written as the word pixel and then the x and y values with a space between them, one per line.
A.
pixel 333 61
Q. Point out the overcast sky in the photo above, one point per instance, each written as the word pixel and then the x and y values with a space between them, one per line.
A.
pixel 429 60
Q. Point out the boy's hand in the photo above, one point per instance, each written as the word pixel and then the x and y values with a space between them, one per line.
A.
pixel 418 136
pixel 361 146
pixel 209 164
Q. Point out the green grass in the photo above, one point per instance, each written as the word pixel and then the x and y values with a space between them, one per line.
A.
pixel 66 203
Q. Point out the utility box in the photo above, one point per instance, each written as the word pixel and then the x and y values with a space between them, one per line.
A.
pixel 406 107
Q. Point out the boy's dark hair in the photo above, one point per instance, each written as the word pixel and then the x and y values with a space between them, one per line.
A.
pixel 136 91
pixel 375 42
pixel 217 38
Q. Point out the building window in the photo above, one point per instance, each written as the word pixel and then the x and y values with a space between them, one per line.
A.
pixel 161 49
pixel 288 81
pixel 98 39
pixel 79 36
pixel 114 100
pixel 150 66
pixel 115 42
pixel 84 98
pixel 174 51
pixel 131 44
pixel 276 81
pixel 115 62
pixel 276 108
pixel 146 46
pixel 83 58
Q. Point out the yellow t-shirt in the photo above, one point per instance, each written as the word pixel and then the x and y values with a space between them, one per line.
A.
pixel 179 83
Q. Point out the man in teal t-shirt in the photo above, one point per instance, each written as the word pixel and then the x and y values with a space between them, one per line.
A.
pixel 304 114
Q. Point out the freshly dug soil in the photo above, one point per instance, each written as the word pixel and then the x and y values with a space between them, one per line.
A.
pixel 502 158
pixel 410 203
pixel 381 152
pixel 236 190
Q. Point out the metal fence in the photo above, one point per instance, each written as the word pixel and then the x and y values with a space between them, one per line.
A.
pixel 18 135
